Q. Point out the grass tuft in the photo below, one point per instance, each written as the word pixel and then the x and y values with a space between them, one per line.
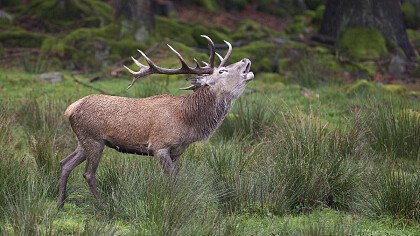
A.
pixel 395 131
pixel 397 194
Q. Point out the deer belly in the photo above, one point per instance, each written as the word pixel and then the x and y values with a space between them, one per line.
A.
pixel 139 149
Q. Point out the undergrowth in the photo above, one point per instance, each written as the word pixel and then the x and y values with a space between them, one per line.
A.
pixel 264 161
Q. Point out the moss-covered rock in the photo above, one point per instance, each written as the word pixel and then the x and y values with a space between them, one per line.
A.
pixel 362 44
pixel 361 87
pixel 411 14
pixel 298 25
pixel 216 36
pixel 18 37
pixel 259 52
pixel 95 12
pixel 173 29
pixel 251 30
pixel 91 48
pixel 368 67
pixel 395 89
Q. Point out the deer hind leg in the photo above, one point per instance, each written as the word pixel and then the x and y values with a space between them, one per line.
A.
pixel 93 151
pixel 165 160
pixel 67 165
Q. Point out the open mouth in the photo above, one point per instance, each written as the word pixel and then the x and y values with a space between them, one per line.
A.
pixel 247 68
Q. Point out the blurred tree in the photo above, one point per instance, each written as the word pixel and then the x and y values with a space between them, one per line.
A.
pixel 383 15
pixel 137 17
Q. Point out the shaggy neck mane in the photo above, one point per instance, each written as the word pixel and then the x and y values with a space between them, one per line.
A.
pixel 204 111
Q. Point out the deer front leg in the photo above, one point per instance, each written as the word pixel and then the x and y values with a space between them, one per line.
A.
pixel 165 160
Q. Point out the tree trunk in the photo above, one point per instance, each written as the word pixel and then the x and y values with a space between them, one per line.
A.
pixel 137 17
pixel 383 15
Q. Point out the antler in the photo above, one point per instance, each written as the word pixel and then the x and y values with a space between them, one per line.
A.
pixel 185 69
pixel 226 58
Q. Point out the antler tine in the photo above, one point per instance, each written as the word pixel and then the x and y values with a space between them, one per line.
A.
pixel 197 64
pixel 131 71
pixel 183 63
pixel 226 58
pixel 138 63
pixel 149 61
pixel 212 50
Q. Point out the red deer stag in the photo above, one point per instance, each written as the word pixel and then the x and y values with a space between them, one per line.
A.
pixel 162 126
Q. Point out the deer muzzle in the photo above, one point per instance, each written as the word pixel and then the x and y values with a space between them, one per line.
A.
pixel 247 73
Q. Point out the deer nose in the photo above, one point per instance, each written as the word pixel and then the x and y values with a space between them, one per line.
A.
pixel 245 60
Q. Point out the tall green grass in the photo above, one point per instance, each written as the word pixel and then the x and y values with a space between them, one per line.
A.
pixel 248 119
pixel 314 165
pixel 395 130
pixel 140 192
pixel 396 194
pixel 47 132
pixel 261 162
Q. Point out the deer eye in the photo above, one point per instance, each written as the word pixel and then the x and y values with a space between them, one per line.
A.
pixel 221 71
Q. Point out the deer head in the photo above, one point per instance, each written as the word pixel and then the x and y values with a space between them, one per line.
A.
pixel 224 80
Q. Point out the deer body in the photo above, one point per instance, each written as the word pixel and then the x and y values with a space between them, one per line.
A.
pixel 143 126
pixel 162 126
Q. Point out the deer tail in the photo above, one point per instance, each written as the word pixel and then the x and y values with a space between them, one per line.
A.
pixel 70 109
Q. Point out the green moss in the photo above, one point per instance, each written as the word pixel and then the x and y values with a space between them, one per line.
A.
pixel 123 47
pixel 416 72
pixel 319 14
pixel 173 29
pixel 55 11
pixel 362 44
pixel 17 37
pixel 92 48
pixel 251 30
pixel 259 52
pixel 410 15
pixel 283 64
pixel 298 25
pixel 210 5
pixel 395 88
pixel 414 37
pixel 361 87
pixel 326 59
pixel 216 36
pixel 368 67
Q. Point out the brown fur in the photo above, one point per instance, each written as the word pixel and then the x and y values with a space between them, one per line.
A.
pixel 162 126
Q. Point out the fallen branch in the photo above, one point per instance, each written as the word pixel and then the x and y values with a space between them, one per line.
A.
pixel 90 86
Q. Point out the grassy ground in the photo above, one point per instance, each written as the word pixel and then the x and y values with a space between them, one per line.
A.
pixel 331 160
